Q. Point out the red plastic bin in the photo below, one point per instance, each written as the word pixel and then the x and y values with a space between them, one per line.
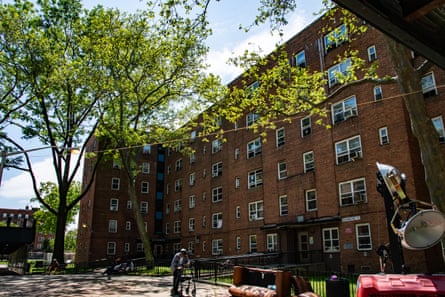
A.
pixel 401 285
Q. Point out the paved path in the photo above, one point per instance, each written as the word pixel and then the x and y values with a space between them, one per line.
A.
pixel 95 284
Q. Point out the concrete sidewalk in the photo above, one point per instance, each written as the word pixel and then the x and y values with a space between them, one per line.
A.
pixel 96 284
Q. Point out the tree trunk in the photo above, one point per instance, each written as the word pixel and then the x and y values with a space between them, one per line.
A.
pixel 422 127
pixel 59 239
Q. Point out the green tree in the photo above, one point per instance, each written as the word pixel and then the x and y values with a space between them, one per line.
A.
pixel 47 217
pixel 71 240
pixel 154 71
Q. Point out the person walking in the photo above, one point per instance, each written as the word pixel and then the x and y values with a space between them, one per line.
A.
pixel 179 262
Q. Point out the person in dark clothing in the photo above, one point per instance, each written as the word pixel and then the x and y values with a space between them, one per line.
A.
pixel 179 262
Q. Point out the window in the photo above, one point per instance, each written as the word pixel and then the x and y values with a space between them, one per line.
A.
pixel 236 153
pixel 177 227
pixel 438 124
pixel 300 59
pixel 115 183
pixel 308 160
pixel 139 247
pixel 177 206
pixel 178 185
pixel 284 206
pixel 237 182
pixel 352 192
pixel 204 222
pixel 251 118
pixel 216 146
pixel 144 207
pixel 336 37
pixel 127 247
pixel 146 149
pixel 238 243
pixel 363 237
pixel 252 244
pixel 129 204
pixel 311 200
pixel 192 201
pixel 217 220
pixel 237 212
pixel 331 241
pixel 383 136
pixel 114 204
pixel 145 187
pixel 272 242
pixel 112 226
pixel 116 163
pixel 306 126
pixel 111 248
pixel 252 87
pixel 191 224
pixel 145 167
pixel 343 110
pixel 193 136
pixel 255 178
pixel 191 248
pixel 192 158
pixel 282 170
pixel 217 169
pixel 217 247
pixel 167 228
pixel 256 211
pixel 336 72
pixel 429 85
pixel 280 137
pixel 128 225
pixel 178 165
pixel 192 178
pixel 217 194
pixel 378 93
pixel 372 54
pixel 348 150
pixel 254 148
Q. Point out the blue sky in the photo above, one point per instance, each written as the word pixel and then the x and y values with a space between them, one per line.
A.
pixel 227 41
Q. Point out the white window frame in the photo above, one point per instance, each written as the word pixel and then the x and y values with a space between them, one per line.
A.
pixel 145 167
pixel 178 185
pixel 176 227
pixel 178 165
pixel 112 226
pixel 144 207
pixel 311 200
pixel 217 247
pixel 272 242
pixel 115 183
pixel 352 192
pixel 237 212
pixel 253 248
pixel 372 53
pixel 344 109
pixel 255 178
pixel 145 187
pixel 256 210
pixel 284 205
pixel 254 148
pixel 127 247
pixel 192 158
pixel 216 146
pixel 192 201
pixel 217 169
pixel 191 224
pixel 282 170
pixel 129 204
pixel 177 205
pixel 383 136
pixel 139 247
pixel 127 225
pixel 238 243
pixel 429 87
pixel 192 178
pixel 378 93
pixel 337 71
pixel 335 38
pixel 306 126
pixel 438 124
pixel 308 161
pixel 217 220
pixel 237 153
pixel 280 137
pixel 217 194
pixel 237 182
pixel 348 150
pixel 114 204
pixel 111 248
pixel 300 59
pixel 363 239
pixel 331 240
pixel 251 119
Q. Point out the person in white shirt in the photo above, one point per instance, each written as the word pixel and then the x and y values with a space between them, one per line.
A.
pixel 179 262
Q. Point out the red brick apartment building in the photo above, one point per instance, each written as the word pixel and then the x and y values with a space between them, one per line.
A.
pixel 308 192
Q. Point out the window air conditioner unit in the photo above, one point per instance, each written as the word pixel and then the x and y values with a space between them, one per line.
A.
pixel 355 155
pixel 307 131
